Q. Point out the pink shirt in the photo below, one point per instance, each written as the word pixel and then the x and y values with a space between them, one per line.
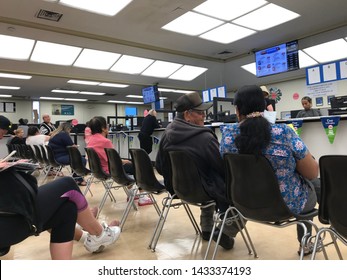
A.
pixel 98 142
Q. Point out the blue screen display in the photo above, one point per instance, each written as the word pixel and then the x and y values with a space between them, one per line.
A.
pixel 130 111
pixel 150 94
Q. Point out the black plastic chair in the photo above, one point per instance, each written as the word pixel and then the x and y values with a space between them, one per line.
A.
pixel 122 179
pixel 333 207
pixel 148 182
pixel 253 188
pixel 99 174
pixel 55 166
pixel 78 167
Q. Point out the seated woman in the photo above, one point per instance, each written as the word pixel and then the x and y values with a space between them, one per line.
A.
pixel 18 137
pixel 287 153
pixel 59 141
pixel 99 141
pixel 306 102
pixel 59 205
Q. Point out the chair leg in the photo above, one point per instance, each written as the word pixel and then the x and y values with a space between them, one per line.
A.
pixel 167 201
pixel 89 183
pixel 192 218
pixel 215 218
pixel 132 193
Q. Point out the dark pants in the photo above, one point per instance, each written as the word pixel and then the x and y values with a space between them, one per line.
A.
pixel 146 142
pixel 55 213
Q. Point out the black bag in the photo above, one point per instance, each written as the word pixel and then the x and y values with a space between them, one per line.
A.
pixel 18 192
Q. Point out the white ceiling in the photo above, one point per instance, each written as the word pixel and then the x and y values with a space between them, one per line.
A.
pixel 136 30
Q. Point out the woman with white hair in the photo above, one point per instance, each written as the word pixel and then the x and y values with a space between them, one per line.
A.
pixel 148 125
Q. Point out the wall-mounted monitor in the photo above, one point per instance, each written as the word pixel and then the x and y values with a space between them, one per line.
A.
pixel 150 94
pixel 277 59
pixel 130 111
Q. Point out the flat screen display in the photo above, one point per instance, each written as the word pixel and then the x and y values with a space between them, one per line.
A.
pixel 277 59
pixel 150 94
pixel 130 111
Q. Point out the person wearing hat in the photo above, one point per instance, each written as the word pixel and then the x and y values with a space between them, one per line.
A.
pixel 187 132
pixel 268 105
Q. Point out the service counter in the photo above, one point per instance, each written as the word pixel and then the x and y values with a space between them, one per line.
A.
pixel 313 134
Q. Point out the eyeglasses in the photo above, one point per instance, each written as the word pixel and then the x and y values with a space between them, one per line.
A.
pixel 199 112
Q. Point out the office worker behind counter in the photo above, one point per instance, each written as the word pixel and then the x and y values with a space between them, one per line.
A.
pixel 308 112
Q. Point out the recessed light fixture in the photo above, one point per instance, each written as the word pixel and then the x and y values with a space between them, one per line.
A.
pixel 305 60
pixel 65 91
pixel 329 51
pixel 104 7
pixel 53 53
pixel 113 85
pixel 131 64
pixel 5 95
pixel 9 87
pixel 134 96
pixel 51 98
pixel 15 76
pixel 251 68
pixel 15 47
pixel 188 73
pixel 92 93
pixel 94 59
pixel 75 99
pixel 81 82
pixel 161 69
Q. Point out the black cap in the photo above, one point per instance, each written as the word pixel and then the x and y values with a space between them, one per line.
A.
pixel 5 123
pixel 191 101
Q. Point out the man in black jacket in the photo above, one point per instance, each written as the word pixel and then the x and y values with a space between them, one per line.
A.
pixel 148 125
pixel 187 132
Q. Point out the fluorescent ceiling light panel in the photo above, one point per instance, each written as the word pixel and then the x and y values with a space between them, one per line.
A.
pixel 162 97
pixel 134 102
pixel 188 73
pixel 104 7
pixel 15 47
pixel 124 102
pixel 5 95
pixel 328 51
pixel 15 76
pixel 228 10
pixel 250 68
pixel 131 64
pixel 305 60
pixel 266 17
pixel 134 96
pixel 75 99
pixel 52 53
pixel 161 69
pixel 192 24
pixel 174 90
pixel 65 91
pixel 89 83
pixel 51 98
pixel 92 93
pixel 227 33
pixel 9 87
pixel 113 85
pixel 94 59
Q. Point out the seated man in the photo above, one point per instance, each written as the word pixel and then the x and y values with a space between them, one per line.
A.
pixel 187 132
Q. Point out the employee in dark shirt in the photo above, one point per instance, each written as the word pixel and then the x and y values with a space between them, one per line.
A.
pixel 308 111
pixel 148 125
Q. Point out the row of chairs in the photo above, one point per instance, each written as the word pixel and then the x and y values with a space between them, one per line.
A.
pixel 254 195
pixel 252 190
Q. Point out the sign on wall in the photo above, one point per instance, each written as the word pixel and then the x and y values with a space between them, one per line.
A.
pixel 63 109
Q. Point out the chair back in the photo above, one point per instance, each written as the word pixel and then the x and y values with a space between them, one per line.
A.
pixel 51 157
pixel 115 166
pixel 38 154
pixel 333 207
pixel 76 162
pixel 144 173
pixel 44 154
pixel 95 165
pixel 253 188
pixel 185 178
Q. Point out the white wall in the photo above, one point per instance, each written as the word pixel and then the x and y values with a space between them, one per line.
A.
pixel 83 112
pixel 289 88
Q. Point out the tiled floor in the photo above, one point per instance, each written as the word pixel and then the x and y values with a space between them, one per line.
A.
pixel 177 242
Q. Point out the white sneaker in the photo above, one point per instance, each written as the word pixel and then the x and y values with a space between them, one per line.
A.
pixel 145 200
pixel 109 235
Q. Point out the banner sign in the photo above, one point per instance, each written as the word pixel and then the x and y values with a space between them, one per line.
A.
pixel 297 124
pixel 330 126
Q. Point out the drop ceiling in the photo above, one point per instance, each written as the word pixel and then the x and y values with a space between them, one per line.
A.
pixel 136 31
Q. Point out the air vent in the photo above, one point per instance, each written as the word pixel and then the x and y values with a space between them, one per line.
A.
pixel 49 15
pixel 226 52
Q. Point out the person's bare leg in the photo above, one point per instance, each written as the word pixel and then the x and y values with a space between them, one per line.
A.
pixel 88 222
pixel 61 251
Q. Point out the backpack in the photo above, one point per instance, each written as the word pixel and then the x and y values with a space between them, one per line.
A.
pixel 18 192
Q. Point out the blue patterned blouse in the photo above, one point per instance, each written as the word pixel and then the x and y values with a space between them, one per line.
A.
pixel 285 148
